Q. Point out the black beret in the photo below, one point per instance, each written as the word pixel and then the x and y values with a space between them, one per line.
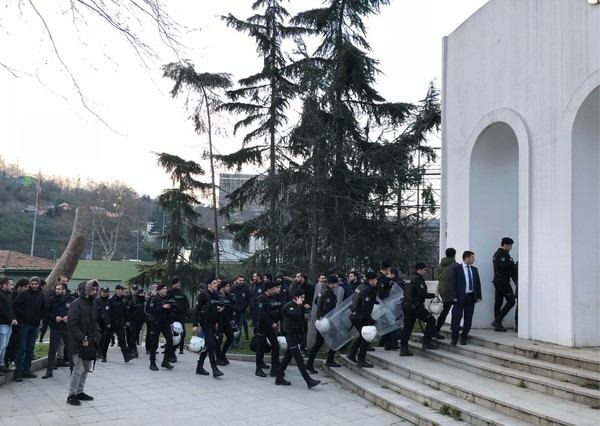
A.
pixel 160 287
pixel 370 275
pixel 506 240
pixel 332 279
pixel 420 265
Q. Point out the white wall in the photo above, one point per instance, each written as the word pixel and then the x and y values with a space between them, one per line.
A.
pixel 529 64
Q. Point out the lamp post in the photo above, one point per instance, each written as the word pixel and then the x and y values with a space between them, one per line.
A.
pixel 53 254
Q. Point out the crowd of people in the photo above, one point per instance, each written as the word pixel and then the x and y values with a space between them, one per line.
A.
pixel 281 310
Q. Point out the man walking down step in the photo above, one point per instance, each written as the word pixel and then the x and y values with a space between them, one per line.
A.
pixel 504 270
pixel 465 286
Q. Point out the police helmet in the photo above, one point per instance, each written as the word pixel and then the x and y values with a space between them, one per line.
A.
pixel 282 343
pixel 196 344
pixel 436 306
pixel 322 325
pixel 368 332
pixel 177 327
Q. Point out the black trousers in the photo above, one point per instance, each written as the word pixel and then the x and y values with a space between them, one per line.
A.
pixel 293 351
pixel 443 315
pixel 503 291
pixel 55 337
pixel 267 333
pixel 411 314
pixel 360 345
pixel 225 330
pixel 319 340
pixel 156 328
pixel 119 330
pixel 134 335
pixel 210 341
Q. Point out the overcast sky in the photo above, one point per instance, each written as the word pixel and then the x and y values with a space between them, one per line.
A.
pixel 43 125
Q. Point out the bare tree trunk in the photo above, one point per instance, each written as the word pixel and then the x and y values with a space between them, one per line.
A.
pixel 67 263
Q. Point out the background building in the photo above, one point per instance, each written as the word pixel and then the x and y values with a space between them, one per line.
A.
pixel 521 137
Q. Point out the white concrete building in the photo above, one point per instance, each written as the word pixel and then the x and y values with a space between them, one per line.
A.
pixel 521 158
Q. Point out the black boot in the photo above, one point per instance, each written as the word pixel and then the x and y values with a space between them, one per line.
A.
pixel 260 373
pixel 200 369
pixel 273 372
pixel 311 383
pixel 428 345
pixel 165 364
pixel 311 369
pixel 153 366
pixel 352 355
pixel 48 374
pixel 363 363
pixel 216 372
pixel 404 351
pixel 280 381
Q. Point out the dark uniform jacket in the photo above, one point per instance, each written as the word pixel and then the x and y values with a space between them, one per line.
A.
pixel 228 300
pixel 444 269
pixel 118 314
pixel 415 292
pixel 102 308
pixel 182 304
pixel 135 307
pixel 327 302
pixel 58 306
pixel 363 301
pixel 30 307
pixel 265 313
pixel 292 318
pixel 504 267
pixel 158 313
pixel 206 308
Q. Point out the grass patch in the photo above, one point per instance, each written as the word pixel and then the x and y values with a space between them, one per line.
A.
pixel 446 410
pixel 594 386
pixel 521 384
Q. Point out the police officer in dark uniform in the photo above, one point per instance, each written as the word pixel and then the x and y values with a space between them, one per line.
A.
pixel 119 320
pixel 137 316
pixel 257 286
pixel 102 307
pixel 241 292
pixel 504 270
pixel 225 321
pixel 267 326
pixel 181 307
pixel 208 309
pixel 293 312
pixel 415 293
pixel 327 302
pixel 160 309
pixel 363 300
pixel 58 307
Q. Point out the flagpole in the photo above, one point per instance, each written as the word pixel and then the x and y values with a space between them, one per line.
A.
pixel 38 200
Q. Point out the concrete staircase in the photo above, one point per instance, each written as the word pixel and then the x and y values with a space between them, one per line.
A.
pixel 497 379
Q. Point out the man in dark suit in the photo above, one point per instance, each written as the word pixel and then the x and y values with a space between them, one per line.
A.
pixel 465 287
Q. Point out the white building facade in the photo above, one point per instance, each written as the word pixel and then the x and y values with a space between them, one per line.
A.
pixel 521 159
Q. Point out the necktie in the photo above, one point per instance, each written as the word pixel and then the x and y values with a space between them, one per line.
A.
pixel 469 280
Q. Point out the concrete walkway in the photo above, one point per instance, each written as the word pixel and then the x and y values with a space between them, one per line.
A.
pixel 131 394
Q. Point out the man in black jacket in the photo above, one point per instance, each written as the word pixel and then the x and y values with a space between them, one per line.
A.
pixel 58 307
pixel 161 319
pixel 82 325
pixel 415 293
pixel 293 313
pixel 504 270
pixel 29 307
pixel 363 301
pixel 206 314
pixel 119 320
pixel 241 292
pixel 180 309
pixel 7 319
pixel 137 316
pixel 267 326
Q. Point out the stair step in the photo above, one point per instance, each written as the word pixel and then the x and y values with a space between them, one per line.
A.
pixel 538 367
pixel 507 374
pixel 524 404
pixel 429 396
pixel 389 400
pixel 582 358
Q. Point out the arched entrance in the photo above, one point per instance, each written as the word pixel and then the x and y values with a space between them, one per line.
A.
pixel 585 243
pixel 493 207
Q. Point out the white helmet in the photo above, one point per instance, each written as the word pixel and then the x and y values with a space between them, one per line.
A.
pixel 282 343
pixel 322 325
pixel 196 344
pixel 176 338
pixel 369 332
pixel 177 327
pixel 436 306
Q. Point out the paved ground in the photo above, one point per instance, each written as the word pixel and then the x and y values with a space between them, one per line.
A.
pixel 131 394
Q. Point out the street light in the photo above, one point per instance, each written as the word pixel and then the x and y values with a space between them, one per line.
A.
pixel 53 254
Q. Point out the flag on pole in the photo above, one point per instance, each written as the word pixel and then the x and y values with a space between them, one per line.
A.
pixel 38 202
